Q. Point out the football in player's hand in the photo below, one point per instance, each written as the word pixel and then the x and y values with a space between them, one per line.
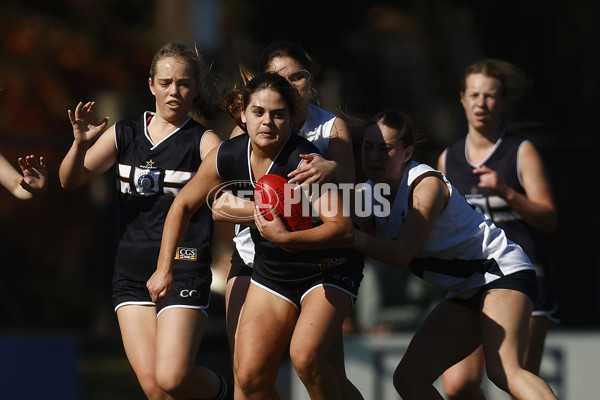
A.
pixel 271 191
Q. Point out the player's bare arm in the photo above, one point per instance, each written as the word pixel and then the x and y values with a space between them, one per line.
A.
pixel 430 196
pixel 336 230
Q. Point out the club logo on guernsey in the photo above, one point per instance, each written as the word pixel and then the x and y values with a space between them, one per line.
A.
pixel 186 253
pixel 147 178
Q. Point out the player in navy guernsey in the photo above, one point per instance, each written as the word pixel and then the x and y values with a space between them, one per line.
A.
pixel 233 165
pixel 149 178
pixel 432 230
pixel 331 136
pixel 297 299
pixel 504 160
pixel 156 154
pixel 502 175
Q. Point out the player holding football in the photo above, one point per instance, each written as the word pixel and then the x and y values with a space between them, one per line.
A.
pixel 298 299
pixel 435 233
pixel 331 136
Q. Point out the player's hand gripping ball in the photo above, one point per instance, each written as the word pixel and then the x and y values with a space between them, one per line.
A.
pixel 271 191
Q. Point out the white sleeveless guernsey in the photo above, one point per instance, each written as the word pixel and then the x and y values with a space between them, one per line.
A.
pixel 464 250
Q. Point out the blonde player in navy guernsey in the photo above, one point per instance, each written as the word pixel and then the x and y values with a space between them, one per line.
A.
pixel 155 155
pixel 331 136
pixel 432 230
pixel 296 300
pixel 503 176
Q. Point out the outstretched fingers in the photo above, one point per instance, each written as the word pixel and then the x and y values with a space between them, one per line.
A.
pixel 35 173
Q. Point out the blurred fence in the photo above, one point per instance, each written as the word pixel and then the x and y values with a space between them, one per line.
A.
pixel 570 366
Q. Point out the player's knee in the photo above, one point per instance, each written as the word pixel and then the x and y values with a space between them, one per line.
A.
pixel 498 375
pixel 150 386
pixel 412 380
pixel 170 380
pixel 467 392
pixel 402 380
pixel 306 363
pixel 251 380
pixel 454 390
pixel 457 389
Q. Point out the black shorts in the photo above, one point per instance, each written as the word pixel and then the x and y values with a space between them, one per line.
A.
pixel 238 266
pixel 545 303
pixel 184 293
pixel 521 281
pixel 346 278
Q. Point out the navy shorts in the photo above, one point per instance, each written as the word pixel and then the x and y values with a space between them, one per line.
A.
pixel 191 292
pixel 238 266
pixel 521 281
pixel 346 278
pixel 545 303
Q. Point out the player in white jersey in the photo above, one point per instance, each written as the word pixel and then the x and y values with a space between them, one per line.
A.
pixel 331 136
pixel 432 230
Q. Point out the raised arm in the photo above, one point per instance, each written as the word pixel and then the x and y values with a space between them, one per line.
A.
pixel 340 151
pixel 28 185
pixel 83 162
pixel 339 165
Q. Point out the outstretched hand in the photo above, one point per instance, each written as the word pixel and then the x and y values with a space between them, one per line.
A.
pixel 35 174
pixel 82 121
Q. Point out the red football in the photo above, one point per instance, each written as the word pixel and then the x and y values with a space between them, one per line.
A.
pixel 271 191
